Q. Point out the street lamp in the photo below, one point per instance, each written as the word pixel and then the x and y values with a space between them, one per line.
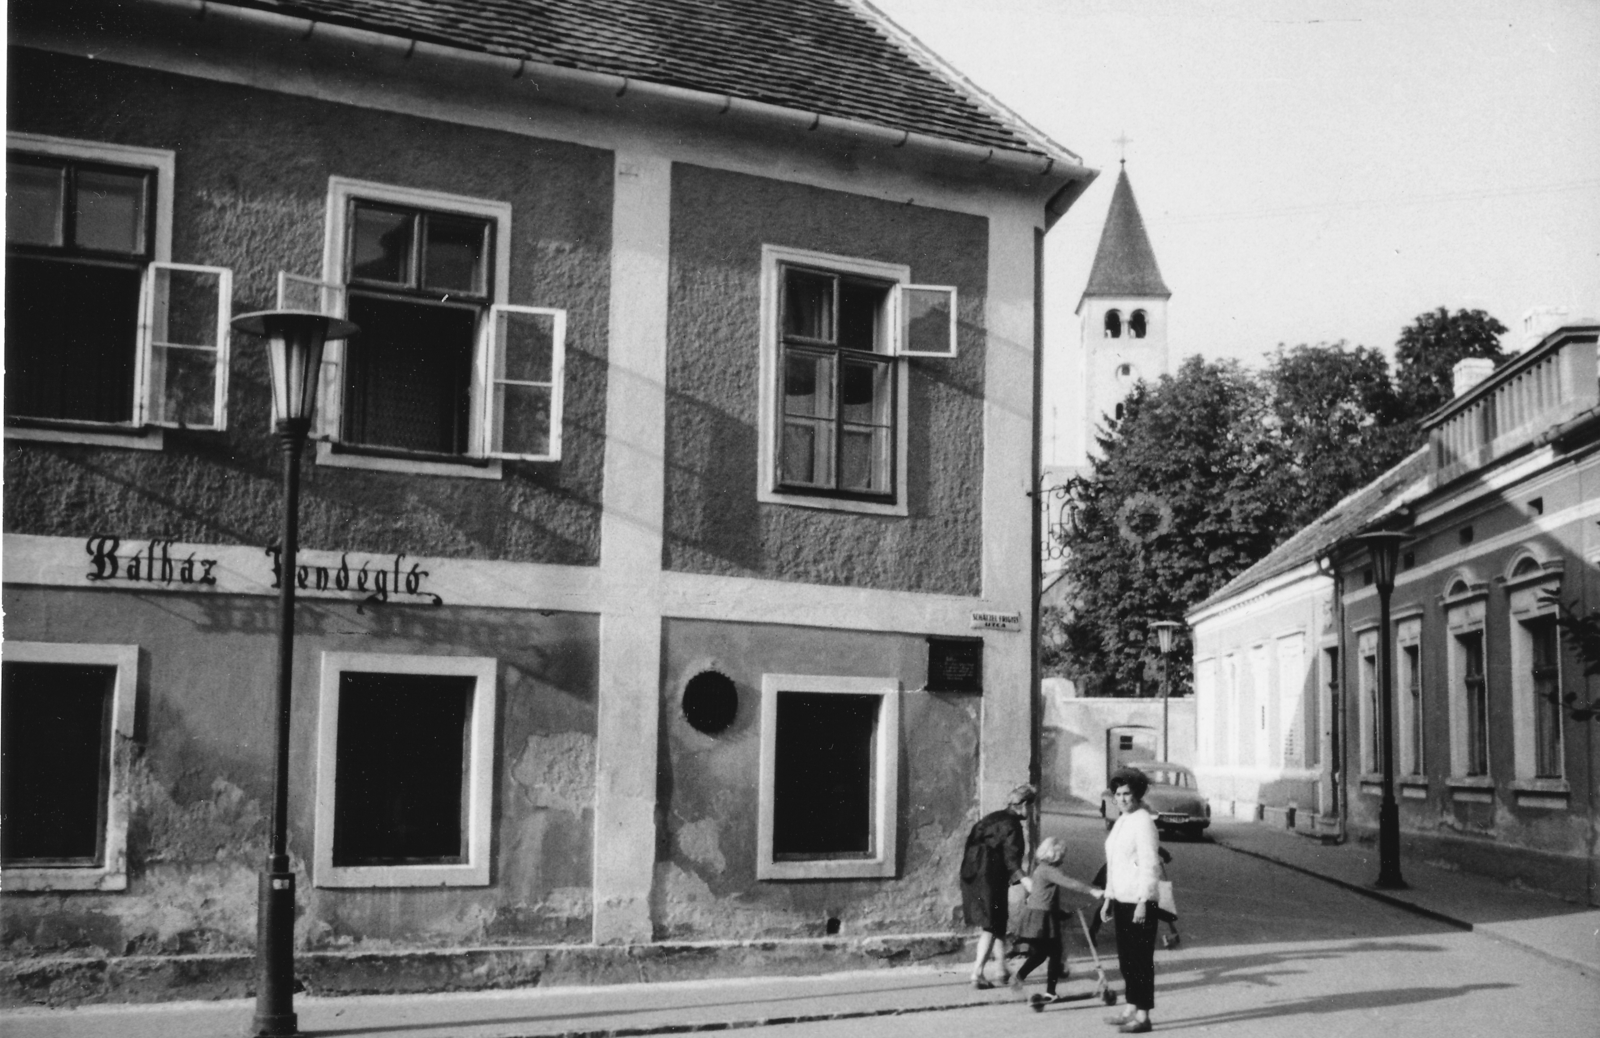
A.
pixel 1166 634
pixel 1383 546
pixel 294 352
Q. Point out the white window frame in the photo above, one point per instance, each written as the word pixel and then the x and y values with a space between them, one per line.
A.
pixel 480 771
pixel 1368 680
pixel 1411 761
pixel 163 162
pixel 884 812
pixel 1465 615
pixel 1260 698
pixel 1232 720
pixel 112 872
pixel 1532 597
pixel 1292 676
pixel 773 259
pixel 478 462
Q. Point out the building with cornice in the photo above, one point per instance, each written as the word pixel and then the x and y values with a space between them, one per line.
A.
pixel 1492 732
pixel 666 593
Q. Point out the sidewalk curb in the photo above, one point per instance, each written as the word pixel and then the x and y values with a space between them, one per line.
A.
pixel 1489 931
pixel 766 1021
pixel 1356 888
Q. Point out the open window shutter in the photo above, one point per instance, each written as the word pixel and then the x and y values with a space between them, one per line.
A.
pixel 297 292
pixel 184 349
pixel 525 358
pixel 925 320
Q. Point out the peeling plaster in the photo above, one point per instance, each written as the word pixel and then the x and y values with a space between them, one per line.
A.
pixel 557 771
pixel 698 842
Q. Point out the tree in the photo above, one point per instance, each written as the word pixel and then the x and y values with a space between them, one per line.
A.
pixel 1430 346
pixel 1182 498
pixel 1340 422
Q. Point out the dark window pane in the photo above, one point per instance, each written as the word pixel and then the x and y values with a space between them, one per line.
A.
pixel 400 785
pixel 111 211
pixel 71 331
pixel 860 313
pixel 522 419
pixel 382 244
pixel 454 258
pixel 35 202
pixel 1546 699
pixel 808 305
pixel 823 775
pixel 54 762
pixel 927 317
pixel 408 375
pixel 864 393
pixel 807 385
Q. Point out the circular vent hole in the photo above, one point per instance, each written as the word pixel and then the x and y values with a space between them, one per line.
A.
pixel 710 702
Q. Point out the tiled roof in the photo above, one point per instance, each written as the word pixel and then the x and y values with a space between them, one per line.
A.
pixel 838 58
pixel 1396 486
pixel 1125 264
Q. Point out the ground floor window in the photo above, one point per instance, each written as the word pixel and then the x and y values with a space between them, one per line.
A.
pixel 63 821
pixel 405 751
pixel 829 773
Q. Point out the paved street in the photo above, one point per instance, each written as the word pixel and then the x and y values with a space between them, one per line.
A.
pixel 1266 951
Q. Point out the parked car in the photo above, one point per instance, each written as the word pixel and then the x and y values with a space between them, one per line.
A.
pixel 1174 798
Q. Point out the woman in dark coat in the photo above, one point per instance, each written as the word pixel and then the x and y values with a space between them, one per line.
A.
pixel 995 858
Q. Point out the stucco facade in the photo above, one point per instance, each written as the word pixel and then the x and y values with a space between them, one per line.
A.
pixel 574 597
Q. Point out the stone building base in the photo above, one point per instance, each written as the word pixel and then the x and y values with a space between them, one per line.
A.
pixel 71 981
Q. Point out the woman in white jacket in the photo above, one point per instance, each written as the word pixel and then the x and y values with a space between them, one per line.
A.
pixel 1133 871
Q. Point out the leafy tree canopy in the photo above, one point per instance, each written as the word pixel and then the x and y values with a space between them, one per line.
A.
pixel 1210 468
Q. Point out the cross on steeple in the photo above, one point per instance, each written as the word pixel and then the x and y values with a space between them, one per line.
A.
pixel 1122 143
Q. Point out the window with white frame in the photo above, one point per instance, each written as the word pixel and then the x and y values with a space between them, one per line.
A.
pixel 1368 716
pixel 443 370
pixel 1408 694
pixel 1291 698
pixel 1205 709
pixel 1260 694
pixel 63 782
pixel 1535 596
pixel 405 753
pixel 829 777
pixel 1233 720
pixel 836 335
pixel 1468 680
pixel 104 335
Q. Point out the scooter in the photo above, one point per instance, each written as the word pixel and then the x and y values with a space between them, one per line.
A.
pixel 1102 989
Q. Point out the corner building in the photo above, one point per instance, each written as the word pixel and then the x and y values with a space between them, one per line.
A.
pixel 666 566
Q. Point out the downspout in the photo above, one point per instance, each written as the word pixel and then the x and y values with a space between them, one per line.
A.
pixel 1036 525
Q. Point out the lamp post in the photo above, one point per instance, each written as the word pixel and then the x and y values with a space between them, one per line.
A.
pixel 294 352
pixel 1166 634
pixel 1383 547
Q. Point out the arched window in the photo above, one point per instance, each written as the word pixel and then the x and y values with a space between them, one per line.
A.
pixel 1136 324
pixel 1119 412
pixel 1458 589
pixel 1124 370
pixel 1526 566
pixel 1113 324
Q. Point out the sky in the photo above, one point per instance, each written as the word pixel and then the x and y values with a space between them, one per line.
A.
pixel 1308 170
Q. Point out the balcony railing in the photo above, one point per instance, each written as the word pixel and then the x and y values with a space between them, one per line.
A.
pixel 1533 394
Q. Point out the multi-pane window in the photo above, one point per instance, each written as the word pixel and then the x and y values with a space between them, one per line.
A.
pixel 418 286
pixel 829 767
pixel 1475 698
pixel 1408 696
pixel 1371 717
pixel 405 751
pixel 442 368
pixel 98 332
pixel 838 385
pixel 1546 647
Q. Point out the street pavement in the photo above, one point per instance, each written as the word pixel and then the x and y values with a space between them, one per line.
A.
pixel 1279 933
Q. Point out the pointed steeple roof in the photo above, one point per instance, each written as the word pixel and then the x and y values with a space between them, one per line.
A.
pixel 1125 265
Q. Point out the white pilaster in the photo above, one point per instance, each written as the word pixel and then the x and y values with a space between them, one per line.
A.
pixel 630 551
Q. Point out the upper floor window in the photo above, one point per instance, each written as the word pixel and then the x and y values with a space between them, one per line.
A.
pixel 1113 324
pixel 1137 324
pixel 834 407
pixel 102 333
pixel 443 370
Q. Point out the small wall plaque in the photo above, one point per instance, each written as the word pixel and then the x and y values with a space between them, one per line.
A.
pixel 997 621
pixel 955 665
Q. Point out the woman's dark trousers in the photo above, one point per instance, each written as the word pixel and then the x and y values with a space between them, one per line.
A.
pixel 1136 954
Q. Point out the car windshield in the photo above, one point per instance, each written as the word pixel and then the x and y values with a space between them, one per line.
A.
pixel 1180 779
